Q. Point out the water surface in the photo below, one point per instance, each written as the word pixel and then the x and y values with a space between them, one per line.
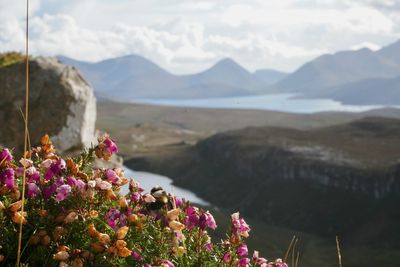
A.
pixel 275 102
pixel 149 180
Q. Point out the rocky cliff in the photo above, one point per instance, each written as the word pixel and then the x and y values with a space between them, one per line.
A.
pixel 61 104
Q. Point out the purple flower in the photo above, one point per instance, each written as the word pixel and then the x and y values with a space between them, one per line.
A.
pixel 63 192
pixel 71 181
pixel 49 191
pixel 33 176
pixel 7 177
pixel 58 166
pixel 242 250
pixel 33 190
pixel 48 174
pixel 5 155
pixel 244 262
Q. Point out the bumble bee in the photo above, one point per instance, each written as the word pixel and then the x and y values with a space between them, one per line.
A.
pixel 162 198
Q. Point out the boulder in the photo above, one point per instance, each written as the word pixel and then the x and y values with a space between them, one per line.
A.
pixel 61 104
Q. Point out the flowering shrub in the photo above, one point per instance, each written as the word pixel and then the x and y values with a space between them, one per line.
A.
pixel 75 215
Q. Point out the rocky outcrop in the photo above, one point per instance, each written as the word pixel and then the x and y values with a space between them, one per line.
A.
pixel 61 104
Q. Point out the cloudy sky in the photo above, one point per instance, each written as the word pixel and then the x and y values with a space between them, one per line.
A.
pixel 187 36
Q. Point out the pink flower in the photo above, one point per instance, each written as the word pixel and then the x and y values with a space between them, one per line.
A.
pixel 113 218
pixel 106 148
pixel 166 263
pixel 33 190
pixel 242 250
pixel 262 262
pixel 63 192
pixel 137 256
pixel 208 246
pixel 243 262
pixel 178 202
pixel 136 197
pixel 103 185
pixel 5 155
pixel 113 177
pixel 207 220
pixel 227 257
pixel 239 226
pixel 80 184
pixel 110 146
pixel 192 218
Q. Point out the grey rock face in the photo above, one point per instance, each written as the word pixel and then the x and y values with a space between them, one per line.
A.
pixel 61 104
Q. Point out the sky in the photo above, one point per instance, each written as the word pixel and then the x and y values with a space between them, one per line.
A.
pixel 187 36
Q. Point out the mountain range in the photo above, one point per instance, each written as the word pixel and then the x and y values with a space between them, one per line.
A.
pixel 353 77
pixel 134 77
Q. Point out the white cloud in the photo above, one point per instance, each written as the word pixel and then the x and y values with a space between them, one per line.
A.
pixel 190 35
pixel 372 46
pixel 354 19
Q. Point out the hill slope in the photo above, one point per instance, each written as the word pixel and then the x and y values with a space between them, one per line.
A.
pixel 340 179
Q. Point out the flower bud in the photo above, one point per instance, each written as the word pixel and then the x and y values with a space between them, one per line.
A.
pixel 15 206
pixel 123 203
pixel 104 238
pixel 97 247
pixel 124 252
pixel 19 217
pixel 176 226
pixel 92 231
pixel 121 233
pixel 45 241
pixel 173 214
pixel 72 216
pixel 77 263
pixel 120 244
pixel 35 239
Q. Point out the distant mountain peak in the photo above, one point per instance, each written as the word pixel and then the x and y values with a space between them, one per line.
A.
pixel 228 64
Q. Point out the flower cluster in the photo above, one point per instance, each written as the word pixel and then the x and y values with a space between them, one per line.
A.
pixel 77 215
